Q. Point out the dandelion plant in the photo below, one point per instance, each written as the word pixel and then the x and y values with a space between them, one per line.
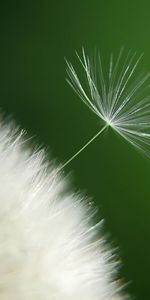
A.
pixel 51 247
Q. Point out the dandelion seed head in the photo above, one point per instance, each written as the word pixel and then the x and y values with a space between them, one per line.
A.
pixel 117 96
pixel 50 245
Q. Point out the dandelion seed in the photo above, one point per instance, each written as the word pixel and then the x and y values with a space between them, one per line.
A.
pixel 116 100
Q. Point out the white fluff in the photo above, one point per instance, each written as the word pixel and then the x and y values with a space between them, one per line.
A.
pixel 49 248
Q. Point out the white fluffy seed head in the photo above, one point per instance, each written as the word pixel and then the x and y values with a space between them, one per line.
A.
pixel 49 245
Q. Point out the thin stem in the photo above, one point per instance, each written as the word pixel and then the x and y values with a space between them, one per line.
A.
pixel 81 149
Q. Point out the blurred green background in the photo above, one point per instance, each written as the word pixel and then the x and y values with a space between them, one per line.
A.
pixel 35 38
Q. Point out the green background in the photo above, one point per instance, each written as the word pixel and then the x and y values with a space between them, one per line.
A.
pixel 35 38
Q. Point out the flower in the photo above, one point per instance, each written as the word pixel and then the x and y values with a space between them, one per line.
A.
pixel 117 98
pixel 50 247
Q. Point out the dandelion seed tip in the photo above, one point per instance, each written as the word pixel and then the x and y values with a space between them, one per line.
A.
pixel 109 122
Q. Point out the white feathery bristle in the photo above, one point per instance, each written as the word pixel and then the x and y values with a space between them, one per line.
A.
pixel 49 245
